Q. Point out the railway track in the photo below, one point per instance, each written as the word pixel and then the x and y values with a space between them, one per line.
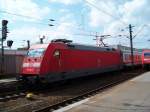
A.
pixel 54 98
pixel 82 96
pixel 10 90
pixel 17 90
pixel 14 89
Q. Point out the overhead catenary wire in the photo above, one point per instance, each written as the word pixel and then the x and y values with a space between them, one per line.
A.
pixel 15 14
pixel 105 12
pixel 30 17
pixel 140 30
pixel 24 16
pixel 34 22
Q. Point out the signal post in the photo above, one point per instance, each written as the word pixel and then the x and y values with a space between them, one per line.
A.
pixel 4 35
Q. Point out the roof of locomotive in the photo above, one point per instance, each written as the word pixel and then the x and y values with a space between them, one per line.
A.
pixel 36 46
pixel 71 45
pixel 89 47
pixel 146 51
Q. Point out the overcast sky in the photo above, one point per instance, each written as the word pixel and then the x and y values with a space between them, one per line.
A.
pixel 76 19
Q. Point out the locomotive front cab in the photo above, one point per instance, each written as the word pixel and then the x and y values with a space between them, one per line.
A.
pixel 32 62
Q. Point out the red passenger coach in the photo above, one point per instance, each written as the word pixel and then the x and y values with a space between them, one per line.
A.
pixel 146 58
pixel 126 55
pixel 61 59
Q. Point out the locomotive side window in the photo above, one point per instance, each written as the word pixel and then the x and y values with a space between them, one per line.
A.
pixel 57 53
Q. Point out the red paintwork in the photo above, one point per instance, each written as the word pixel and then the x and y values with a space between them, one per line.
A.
pixel 145 60
pixel 30 70
pixel 70 60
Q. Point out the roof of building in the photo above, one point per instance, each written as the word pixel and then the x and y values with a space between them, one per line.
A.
pixel 14 52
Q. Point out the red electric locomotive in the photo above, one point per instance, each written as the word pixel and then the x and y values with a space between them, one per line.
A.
pixel 146 58
pixel 61 59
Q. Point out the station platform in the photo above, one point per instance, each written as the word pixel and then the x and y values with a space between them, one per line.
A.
pixel 130 96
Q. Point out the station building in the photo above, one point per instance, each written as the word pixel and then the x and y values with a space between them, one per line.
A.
pixel 12 61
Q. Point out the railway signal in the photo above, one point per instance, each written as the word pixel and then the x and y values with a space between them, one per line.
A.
pixel 9 43
pixel 4 29
pixel 4 35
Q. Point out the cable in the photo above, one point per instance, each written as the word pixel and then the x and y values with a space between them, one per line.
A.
pixel 24 16
pixel 104 12
pixel 140 30
pixel 18 15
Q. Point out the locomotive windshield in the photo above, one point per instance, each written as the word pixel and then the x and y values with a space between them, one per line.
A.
pixel 147 55
pixel 36 52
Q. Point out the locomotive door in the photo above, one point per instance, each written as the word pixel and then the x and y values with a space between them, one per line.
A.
pixel 57 60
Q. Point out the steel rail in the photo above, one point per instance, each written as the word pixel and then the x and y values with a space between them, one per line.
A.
pixel 82 96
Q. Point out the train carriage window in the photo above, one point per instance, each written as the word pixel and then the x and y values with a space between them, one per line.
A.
pixel 126 57
pixel 147 55
pixel 56 53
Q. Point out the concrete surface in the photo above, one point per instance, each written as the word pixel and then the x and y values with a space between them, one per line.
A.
pixel 131 96
pixel 7 80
